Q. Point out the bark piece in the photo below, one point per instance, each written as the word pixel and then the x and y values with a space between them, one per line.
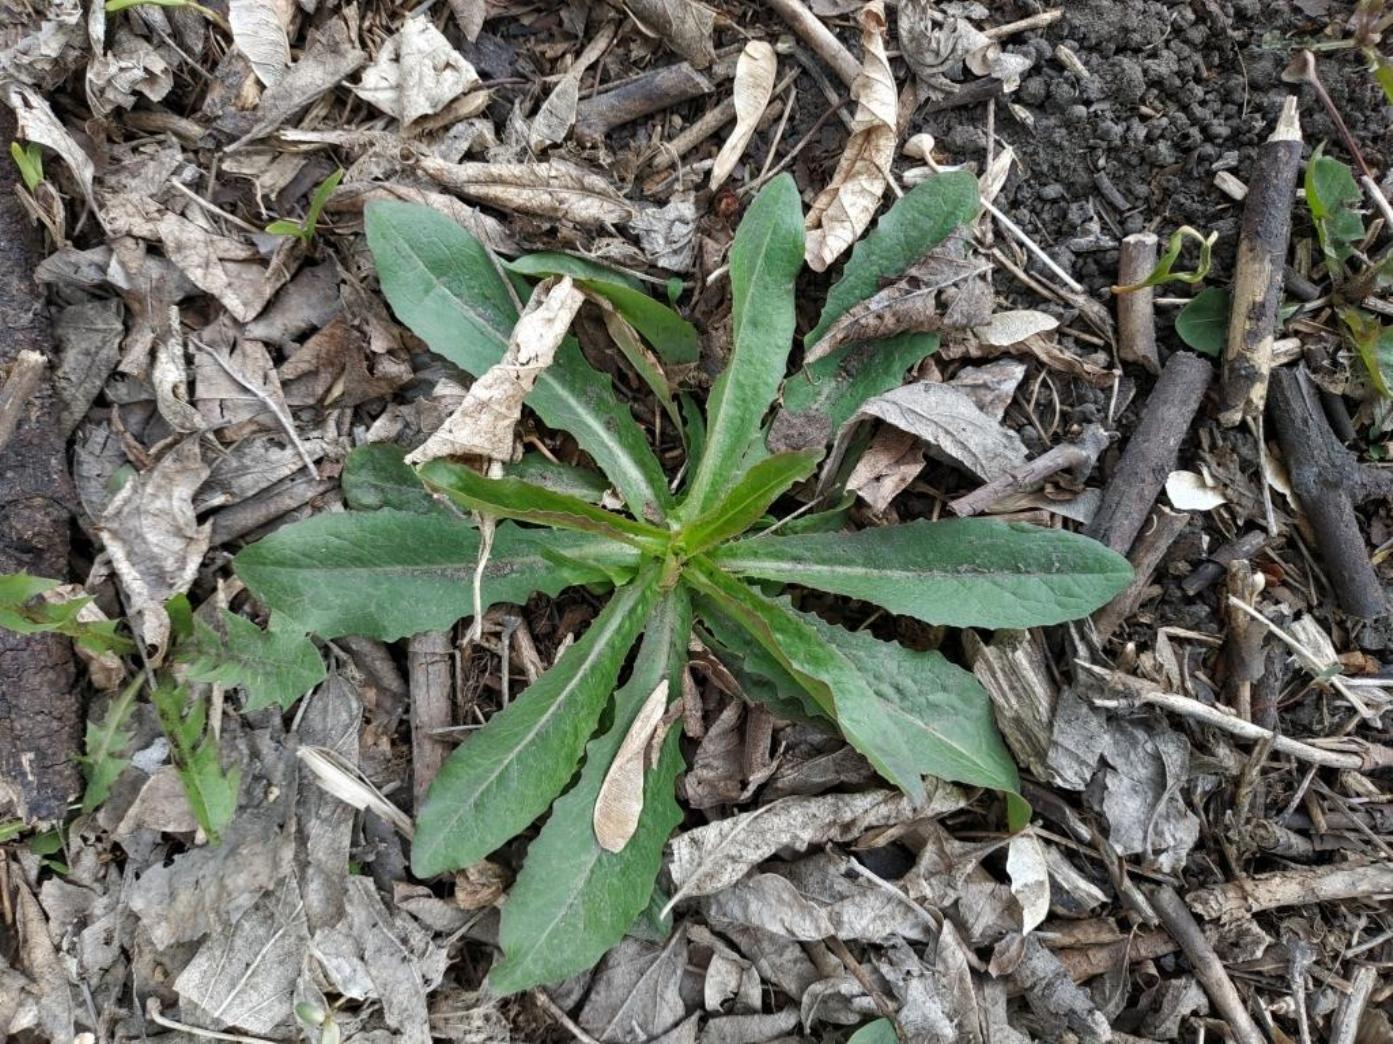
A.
pixel 1016 675
pixel 1208 572
pixel 429 662
pixel 1321 884
pixel 651 92
pixel 1257 276
pixel 1151 454
pixel 1329 481
pixel 40 716
pixel 1136 313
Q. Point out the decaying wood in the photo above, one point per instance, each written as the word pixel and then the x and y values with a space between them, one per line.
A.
pixel 822 40
pixel 1244 660
pixel 1209 969
pixel 429 665
pixel 1150 547
pixel 1078 458
pixel 1318 884
pixel 1345 1028
pixel 652 92
pixel 23 380
pixel 1014 671
pixel 1136 309
pixel 1151 454
pixel 40 711
pixel 1208 572
pixel 1329 480
pixel 1257 276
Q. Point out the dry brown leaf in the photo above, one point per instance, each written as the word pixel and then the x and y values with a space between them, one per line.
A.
pixel 259 31
pixel 845 207
pixel 153 537
pixel 470 14
pixel 754 85
pixel 170 377
pixel 1030 879
pixel 417 73
pixel 891 462
pixel 684 25
pixel 35 122
pixel 351 198
pixel 557 114
pixel 555 189
pixel 483 424
pixel 619 804
pixel 224 267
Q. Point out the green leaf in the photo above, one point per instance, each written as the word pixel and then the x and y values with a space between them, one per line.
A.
pixel 583 483
pixel 30 161
pixel 102 761
pixel 377 476
pixel 322 192
pixel 911 714
pixel 917 223
pixel 962 572
pixel 273 667
pixel 1383 73
pixel 1374 344
pixel 212 793
pixel 674 339
pixel 819 399
pixel 514 498
pixel 1203 324
pixel 763 679
pixel 445 285
pixel 881 1031
pixel 1165 272
pixel 758 488
pixel 764 263
pixel 504 776
pixel 286 227
pixel 24 612
pixel 643 361
pixel 555 924
pixel 829 520
pixel 388 574
pixel 1331 192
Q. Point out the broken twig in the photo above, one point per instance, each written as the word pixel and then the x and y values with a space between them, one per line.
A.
pixel 1136 313
pixel 1077 458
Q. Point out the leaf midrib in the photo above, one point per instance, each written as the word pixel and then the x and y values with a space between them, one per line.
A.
pixel 736 565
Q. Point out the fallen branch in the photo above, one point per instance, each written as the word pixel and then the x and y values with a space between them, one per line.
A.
pixel 1209 969
pixel 1316 884
pixel 822 40
pixel 1151 454
pixel 1345 1027
pixel 1257 276
pixel 1208 572
pixel 1077 458
pixel 1328 481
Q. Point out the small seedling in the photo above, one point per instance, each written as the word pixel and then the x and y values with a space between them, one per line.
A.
pixel 30 161
pixel 1165 272
pixel 305 230
pixel 706 561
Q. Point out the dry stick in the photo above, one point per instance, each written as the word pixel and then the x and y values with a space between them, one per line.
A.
pixel 1345 1027
pixel 1035 21
pixel 554 1010
pixel 241 519
pixel 1208 572
pixel 1357 754
pixel 1151 454
pixel 1328 481
pixel 18 391
pixel 705 126
pixel 1209 969
pixel 1244 657
pixel 1317 884
pixel 1136 312
pixel 1151 547
pixel 649 93
pixel 817 36
pixel 428 663
pixel 1257 276
pixel 1077 458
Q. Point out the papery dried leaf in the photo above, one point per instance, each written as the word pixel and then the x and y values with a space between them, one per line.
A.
pixel 1030 879
pixel 1007 328
pixel 223 267
pixel 684 25
pixel 932 48
pixel 483 424
pixel 619 804
pixel 259 31
pixel 557 190
pixel 891 462
pixel 754 85
pixel 910 305
pixel 993 179
pixel 35 122
pixel 353 197
pixel 845 207
pixel 417 73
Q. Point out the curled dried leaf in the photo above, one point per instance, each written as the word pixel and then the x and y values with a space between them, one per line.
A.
pixel 754 85
pixel 620 801
pixel 845 207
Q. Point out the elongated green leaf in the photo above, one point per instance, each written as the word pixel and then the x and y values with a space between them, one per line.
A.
pixel 23 611
pixel 507 773
pixel 916 224
pixel 388 574
pixel 764 263
pixel 583 483
pixel 573 900
pixel 762 678
pixel 273 667
pixel 965 572
pixel 819 399
pixel 378 476
pixel 211 792
pixel 881 1031
pixel 742 506
pixel 514 498
pixel 672 337
pixel 444 284
pixel 1203 323
pixel 103 758
pixel 911 714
